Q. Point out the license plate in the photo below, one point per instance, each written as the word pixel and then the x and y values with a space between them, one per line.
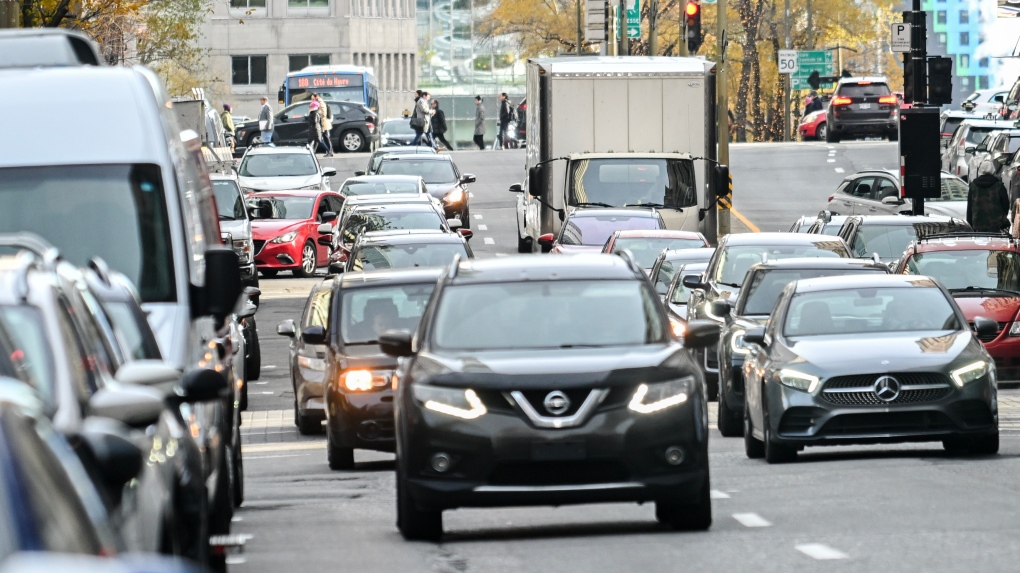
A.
pixel 865 106
pixel 558 451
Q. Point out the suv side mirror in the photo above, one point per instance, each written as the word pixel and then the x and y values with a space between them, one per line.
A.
pixel 203 385
pixel 286 328
pixel 755 336
pixel 985 327
pixel 546 240
pixel 396 343
pixel 535 180
pixel 136 406
pixel 313 335
pixel 222 284
pixel 694 282
pixel 516 188
pixel 701 334
pixel 455 223
pixel 467 178
pixel 329 171
pixel 720 308
pixel 892 200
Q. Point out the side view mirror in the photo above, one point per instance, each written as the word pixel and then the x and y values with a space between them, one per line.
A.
pixel 325 229
pixel 203 385
pixel 535 180
pixel 222 283
pixel 336 268
pixel 286 328
pixel 701 334
pixel 1001 159
pixel 985 327
pixel 153 373
pixel 313 335
pixel 467 178
pixel 892 200
pixel 359 173
pixel 755 336
pixel 105 445
pixel 720 308
pixel 546 240
pixel 455 223
pixel 466 233
pixel 970 149
pixel 329 171
pixel 284 117
pixel 136 406
pixel 328 216
pixel 396 343
pixel 694 282
pixel 516 188
pixel 254 212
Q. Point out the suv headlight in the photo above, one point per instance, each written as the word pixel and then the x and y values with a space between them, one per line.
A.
pixel 456 402
pixel 364 380
pixel 317 364
pixel 455 196
pixel 285 238
pixel 244 249
pixel 737 343
pixel 798 380
pixel 969 373
pixel 651 398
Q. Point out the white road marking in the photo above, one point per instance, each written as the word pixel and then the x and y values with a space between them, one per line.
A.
pixel 489 241
pixel 479 217
pixel 236 518
pixel 246 458
pixel 839 170
pixel 831 160
pixel 483 227
pixel 269 367
pixel 258 383
pixel 266 393
pixel 821 551
pixel 716 494
pixel 751 520
pixel 236 560
pixel 830 147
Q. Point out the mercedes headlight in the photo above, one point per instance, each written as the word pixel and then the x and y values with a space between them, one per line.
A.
pixel 969 373
pixel 737 343
pixel 285 238
pixel 456 402
pixel 651 398
pixel 798 380
pixel 317 364
pixel 455 196
pixel 365 380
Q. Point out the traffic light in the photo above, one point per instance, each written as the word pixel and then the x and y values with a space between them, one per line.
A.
pixel 940 81
pixel 694 37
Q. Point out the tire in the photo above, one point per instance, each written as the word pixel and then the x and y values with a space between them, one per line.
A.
pixel 775 452
pixel 413 523
pixel 269 273
pixel 308 263
pixel 338 458
pixel 307 425
pixel 711 386
pixel 821 132
pixel 753 447
pixel 524 245
pixel 982 446
pixel 695 516
pixel 830 137
pixel 253 362
pixel 894 135
pixel 222 510
pixel 465 218
pixel 729 422
pixel 351 141
pixel 238 472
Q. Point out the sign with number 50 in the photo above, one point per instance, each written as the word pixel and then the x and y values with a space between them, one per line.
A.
pixel 787 61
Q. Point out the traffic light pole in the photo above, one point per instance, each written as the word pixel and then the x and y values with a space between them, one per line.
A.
pixel 722 109
pixel 918 75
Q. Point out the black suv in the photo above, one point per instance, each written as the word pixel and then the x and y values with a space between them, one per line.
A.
pixel 444 181
pixel 565 387
pixel 355 127
pixel 861 107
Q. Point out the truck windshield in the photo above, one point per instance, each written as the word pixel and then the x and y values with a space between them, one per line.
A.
pixel 633 181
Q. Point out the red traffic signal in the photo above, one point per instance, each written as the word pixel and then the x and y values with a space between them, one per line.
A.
pixel 693 9
pixel 694 38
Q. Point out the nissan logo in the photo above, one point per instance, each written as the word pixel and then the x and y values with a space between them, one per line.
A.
pixel 887 388
pixel 556 403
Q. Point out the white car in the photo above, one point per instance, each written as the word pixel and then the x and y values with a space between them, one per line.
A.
pixel 982 102
pixel 282 168
pixel 998 147
pixel 968 135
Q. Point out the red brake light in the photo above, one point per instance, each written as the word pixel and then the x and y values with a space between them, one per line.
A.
pixel 830 197
pixel 841 101
pixel 370 126
pixel 887 99
pixel 864 83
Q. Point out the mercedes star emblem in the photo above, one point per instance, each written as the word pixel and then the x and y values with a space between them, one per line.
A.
pixel 556 403
pixel 887 388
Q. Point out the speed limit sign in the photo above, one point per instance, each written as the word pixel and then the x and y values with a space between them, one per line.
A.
pixel 787 61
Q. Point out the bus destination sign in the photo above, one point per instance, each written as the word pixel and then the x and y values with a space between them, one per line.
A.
pixel 325 81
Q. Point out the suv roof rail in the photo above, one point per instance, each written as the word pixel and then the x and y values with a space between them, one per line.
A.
pixel 32 243
pixel 963 235
pixel 102 270
pixel 451 272
pixel 627 256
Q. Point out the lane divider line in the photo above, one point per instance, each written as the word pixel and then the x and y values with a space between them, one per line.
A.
pixel 282 447
pixel 751 520
pixel 478 217
pixel 747 222
pixel 483 227
pixel 489 241
pixel 821 551
pixel 839 170
pixel 716 494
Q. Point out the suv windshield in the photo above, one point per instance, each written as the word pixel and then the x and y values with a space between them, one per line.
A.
pixel 620 182
pixel 767 285
pixel 573 313
pixel 869 310
pixel 373 257
pixel 432 171
pixel 864 90
pixel 368 312
pixel 978 269
pixel 277 165
pixel 282 207
pixel 116 212
pixel 647 249
pixel 735 261
pixel 352 188
pixel 595 231
pixel 229 204
pixel 397 127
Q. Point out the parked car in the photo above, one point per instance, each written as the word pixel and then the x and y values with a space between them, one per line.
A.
pixel 442 178
pixel 968 135
pixel 396 131
pixel 813 126
pixel 586 230
pixel 877 192
pixel 987 101
pixel 888 236
pixel 645 245
pixel 354 127
pixel 286 230
pixel 862 106
pixel 380 250
pixel 282 169
pixel 377 156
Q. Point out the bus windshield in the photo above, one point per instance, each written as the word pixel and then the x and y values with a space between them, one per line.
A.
pixel 652 181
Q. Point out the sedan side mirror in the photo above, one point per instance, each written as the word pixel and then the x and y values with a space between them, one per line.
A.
pixel 325 229
pixel 313 335
pixel 701 334
pixel 985 327
pixel 455 223
pixel 328 216
pixel 466 233
pixel 396 343
pixel 546 240
pixel 329 171
pixel 222 283
pixel 153 373
pixel 136 406
pixel 892 200
pixel 286 328
pixel 970 149
pixel 284 118
pixel 516 188
pixel 755 336
pixel 107 447
pixel 359 173
pixel 1001 159
pixel 254 212
pixel 336 268
pixel 694 282
pixel 204 385
pixel 467 178
pixel 721 308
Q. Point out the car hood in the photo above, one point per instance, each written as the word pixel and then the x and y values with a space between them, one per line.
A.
pixel 439 190
pixel 835 355
pixel 576 249
pixel 997 308
pixel 279 183
pixel 271 228
pixel 956 209
pixel 237 229
pixel 366 356
pixel 556 368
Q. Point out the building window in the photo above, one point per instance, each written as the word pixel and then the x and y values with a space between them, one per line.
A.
pixel 940 17
pixel 942 39
pixel 245 4
pixel 307 3
pixel 982 82
pixel 964 61
pixel 964 38
pixel 983 62
pixel 302 61
pixel 964 17
pixel 964 82
pixel 248 70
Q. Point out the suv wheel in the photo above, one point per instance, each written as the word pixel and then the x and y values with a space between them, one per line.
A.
pixel 695 516
pixel 338 457
pixel 351 141
pixel 413 523
pixel 729 422
pixel 830 136
pixel 753 447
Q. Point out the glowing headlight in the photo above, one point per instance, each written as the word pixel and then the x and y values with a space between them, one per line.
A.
pixel 737 343
pixel 285 238
pixel 365 380
pixel 969 373
pixel 317 364
pixel 455 402
pixel 798 380
pixel 455 196
pixel 654 397
pixel 1014 329
pixel 678 327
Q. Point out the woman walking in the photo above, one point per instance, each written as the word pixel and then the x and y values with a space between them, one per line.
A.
pixel 479 123
pixel 314 120
pixel 439 125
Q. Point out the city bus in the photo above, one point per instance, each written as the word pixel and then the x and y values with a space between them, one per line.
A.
pixel 336 83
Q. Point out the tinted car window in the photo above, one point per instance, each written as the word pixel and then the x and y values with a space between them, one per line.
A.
pixel 24 325
pixel 975 135
pixel 229 204
pixel 574 313
pixel 317 313
pixel 277 165
pixel 858 311
pixel 597 230
pixel 620 182
pixel 430 171
pixel 397 127
pixel 979 269
pixel 358 223
pixel 368 312
pixel 374 257
pixel 864 90
pixel 950 124
pixel 645 250
pixel 734 261
pixel 352 188
pixel 766 286
pixel 285 207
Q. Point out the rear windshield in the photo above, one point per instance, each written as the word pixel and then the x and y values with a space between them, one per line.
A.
pixel 352 188
pixel 646 249
pixel 976 135
pixel 597 230
pixel 766 286
pixel 374 257
pixel 864 90
pixel 431 171
pixel 950 124
pixel 399 127
pixel 389 220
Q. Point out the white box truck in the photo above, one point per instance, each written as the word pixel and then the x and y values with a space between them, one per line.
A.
pixel 629 131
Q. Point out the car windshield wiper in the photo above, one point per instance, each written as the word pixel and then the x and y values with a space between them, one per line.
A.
pixel 227 218
pixel 734 285
pixel 984 289
pixel 596 204
pixel 649 205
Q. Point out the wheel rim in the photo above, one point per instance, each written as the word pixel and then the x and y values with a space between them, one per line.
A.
pixel 821 131
pixel 308 259
pixel 352 142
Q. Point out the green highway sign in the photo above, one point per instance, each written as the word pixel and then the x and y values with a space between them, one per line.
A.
pixel 633 18
pixel 811 61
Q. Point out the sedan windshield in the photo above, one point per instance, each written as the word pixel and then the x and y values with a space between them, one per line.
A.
pixel 953 189
pixel 359 223
pixel 431 171
pixel 374 257
pixel 734 261
pixel 283 207
pixel 596 230
pixel 870 310
pixel 397 127
pixel 277 165
pixel 229 203
pixel 368 312
pixel 352 188
pixel 975 270
pixel 579 313
pixel 646 250
pixel 767 285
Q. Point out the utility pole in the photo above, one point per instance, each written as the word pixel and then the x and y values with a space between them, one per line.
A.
pixel 722 109
pixel 580 27
pixel 10 13
pixel 682 47
pixel 918 63
pixel 786 86
pixel 653 28
pixel 624 35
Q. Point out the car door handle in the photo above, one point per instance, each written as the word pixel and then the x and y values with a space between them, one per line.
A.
pixel 872 209
pixel 847 203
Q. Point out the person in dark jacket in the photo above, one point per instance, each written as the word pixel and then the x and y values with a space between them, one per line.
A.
pixel 439 125
pixel 988 201
pixel 314 120
pixel 506 115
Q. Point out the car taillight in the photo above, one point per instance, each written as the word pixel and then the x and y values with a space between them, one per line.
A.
pixel 830 197
pixel 370 126
pixel 841 101
pixel 887 99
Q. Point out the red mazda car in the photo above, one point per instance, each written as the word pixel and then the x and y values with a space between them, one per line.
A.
pixel 983 275
pixel 285 230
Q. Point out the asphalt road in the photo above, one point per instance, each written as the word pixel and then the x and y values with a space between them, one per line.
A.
pixel 899 508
